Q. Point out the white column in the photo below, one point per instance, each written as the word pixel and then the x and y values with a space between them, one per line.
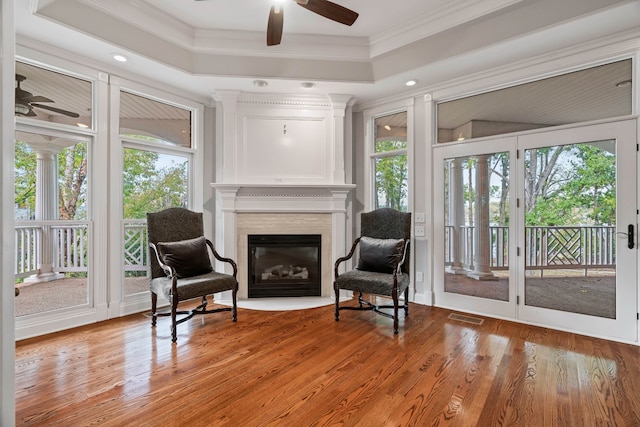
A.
pixel 46 209
pixel 456 215
pixel 482 237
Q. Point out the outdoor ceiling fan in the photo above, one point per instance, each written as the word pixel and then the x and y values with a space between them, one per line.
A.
pixel 325 8
pixel 25 102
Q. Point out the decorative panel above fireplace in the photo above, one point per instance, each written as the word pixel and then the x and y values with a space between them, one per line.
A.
pixel 284 265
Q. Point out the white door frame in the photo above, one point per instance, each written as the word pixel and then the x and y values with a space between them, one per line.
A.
pixel 497 308
pixel 625 326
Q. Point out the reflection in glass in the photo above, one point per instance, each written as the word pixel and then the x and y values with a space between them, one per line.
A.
pixel 570 245
pixel 50 96
pixel 477 226
pixel 575 97
pixel 154 121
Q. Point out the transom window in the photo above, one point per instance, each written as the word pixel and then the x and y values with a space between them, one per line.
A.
pixel 390 162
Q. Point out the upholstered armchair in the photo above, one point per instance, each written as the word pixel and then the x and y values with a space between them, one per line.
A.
pixel 383 263
pixel 181 267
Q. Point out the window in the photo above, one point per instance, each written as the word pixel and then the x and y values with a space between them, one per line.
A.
pixel 389 157
pixel 52 229
pixel 52 97
pixel 154 121
pixel 595 93
pixel 156 164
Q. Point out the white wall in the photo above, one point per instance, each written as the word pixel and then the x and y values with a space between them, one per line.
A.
pixel 7 323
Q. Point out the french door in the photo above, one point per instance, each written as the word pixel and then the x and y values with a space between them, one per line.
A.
pixel 542 228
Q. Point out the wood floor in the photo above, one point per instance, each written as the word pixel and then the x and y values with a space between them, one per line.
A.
pixel 301 368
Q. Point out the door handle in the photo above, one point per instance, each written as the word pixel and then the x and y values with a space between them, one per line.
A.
pixel 630 236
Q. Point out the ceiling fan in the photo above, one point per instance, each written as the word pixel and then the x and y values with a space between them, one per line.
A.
pixel 26 101
pixel 325 8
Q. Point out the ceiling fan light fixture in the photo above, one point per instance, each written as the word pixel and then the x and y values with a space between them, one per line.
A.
pixel 260 83
pixel 21 109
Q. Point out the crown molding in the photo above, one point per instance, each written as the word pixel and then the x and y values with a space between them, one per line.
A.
pixel 442 18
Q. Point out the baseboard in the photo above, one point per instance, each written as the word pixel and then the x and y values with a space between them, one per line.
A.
pixel 423 298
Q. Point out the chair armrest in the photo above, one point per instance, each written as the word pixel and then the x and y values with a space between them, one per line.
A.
pixel 223 259
pixel 168 270
pixel 345 258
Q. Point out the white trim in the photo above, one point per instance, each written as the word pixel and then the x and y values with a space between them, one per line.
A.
pixel 7 232
pixel 120 304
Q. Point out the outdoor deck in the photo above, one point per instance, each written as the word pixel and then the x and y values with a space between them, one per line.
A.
pixel 64 293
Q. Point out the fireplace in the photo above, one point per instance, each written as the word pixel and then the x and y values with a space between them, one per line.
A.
pixel 284 265
pixel 259 209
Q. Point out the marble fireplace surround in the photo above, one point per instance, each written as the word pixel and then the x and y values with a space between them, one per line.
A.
pixel 244 209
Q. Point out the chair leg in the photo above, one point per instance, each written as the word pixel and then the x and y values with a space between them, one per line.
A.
pixel 174 324
pixel 234 307
pixel 394 295
pixel 337 305
pixel 360 301
pixel 154 304
pixel 406 302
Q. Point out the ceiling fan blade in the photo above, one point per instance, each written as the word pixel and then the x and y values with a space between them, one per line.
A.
pixel 26 97
pixel 57 110
pixel 274 26
pixel 40 98
pixel 332 11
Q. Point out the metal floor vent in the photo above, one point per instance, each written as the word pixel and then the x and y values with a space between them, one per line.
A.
pixel 468 319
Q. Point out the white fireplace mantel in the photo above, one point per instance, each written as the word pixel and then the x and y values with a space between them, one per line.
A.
pixel 282 209
pixel 283 198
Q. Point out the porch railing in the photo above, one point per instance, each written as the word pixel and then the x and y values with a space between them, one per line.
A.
pixel 69 246
pixel 584 247
pixel 580 247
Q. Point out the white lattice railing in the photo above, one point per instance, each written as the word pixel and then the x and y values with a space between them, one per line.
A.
pixel 135 245
pixel 581 247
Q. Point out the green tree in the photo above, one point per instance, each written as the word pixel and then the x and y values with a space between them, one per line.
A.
pixel 391 176
pixel 72 182
pixel 148 187
pixel 570 185
pixel 25 177
pixel 593 185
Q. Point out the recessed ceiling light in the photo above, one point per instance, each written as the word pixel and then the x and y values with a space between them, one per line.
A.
pixel 624 83
pixel 120 58
pixel 411 82
pixel 387 127
pixel 260 83
pixel 82 125
pixel 308 85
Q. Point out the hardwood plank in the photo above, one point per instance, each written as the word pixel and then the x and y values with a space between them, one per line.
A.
pixel 302 368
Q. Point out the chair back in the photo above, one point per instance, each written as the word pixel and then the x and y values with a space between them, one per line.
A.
pixel 171 225
pixel 387 223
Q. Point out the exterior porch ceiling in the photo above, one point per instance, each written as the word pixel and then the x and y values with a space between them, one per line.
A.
pixel 202 47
